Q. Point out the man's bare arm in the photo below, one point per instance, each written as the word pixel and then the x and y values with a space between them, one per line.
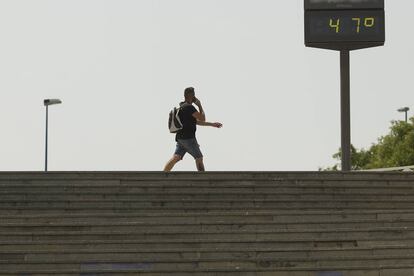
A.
pixel 200 115
pixel 216 124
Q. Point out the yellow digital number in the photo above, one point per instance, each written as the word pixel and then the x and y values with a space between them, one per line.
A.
pixel 336 26
pixel 369 22
pixel 358 20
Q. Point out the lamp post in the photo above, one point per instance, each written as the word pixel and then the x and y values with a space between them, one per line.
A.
pixel 404 109
pixel 48 102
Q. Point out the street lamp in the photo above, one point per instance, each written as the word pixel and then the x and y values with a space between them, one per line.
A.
pixel 404 109
pixel 48 102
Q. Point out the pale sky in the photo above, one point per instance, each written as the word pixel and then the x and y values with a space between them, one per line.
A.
pixel 119 66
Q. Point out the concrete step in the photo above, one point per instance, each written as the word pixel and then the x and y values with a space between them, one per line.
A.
pixel 161 227
pixel 272 215
pixel 191 245
pixel 195 256
pixel 201 201
pixel 206 205
pixel 47 212
pixel 49 197
pixel 200 183
pixel 260 265
pixel 187 245
pixel 386 271
pixel 239 248
pixel 241 175
pixel 228 235
pixel 72 211
pixel 132 190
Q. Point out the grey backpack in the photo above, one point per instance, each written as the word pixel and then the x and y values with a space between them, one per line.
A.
pixel 174 122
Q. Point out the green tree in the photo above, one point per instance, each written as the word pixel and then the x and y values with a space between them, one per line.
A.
pixel 396 149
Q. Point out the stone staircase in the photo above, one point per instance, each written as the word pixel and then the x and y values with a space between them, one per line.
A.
pixel 224 223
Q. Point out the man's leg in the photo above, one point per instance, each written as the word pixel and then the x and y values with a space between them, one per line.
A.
pixel 170 164
pixel 192 147
pixel 178 155
pixel 200 164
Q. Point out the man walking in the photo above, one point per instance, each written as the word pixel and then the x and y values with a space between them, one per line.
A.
pixel 185 138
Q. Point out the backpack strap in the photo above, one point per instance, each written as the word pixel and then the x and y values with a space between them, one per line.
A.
pixel 184 104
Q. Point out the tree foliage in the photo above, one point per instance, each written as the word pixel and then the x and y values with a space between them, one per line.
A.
pixel 396 149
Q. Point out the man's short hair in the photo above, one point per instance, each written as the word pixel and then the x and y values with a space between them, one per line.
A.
pixel 189 91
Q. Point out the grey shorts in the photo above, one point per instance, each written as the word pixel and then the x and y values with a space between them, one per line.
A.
pixel 188 145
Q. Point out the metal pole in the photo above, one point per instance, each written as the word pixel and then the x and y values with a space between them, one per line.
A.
pixel 406 117
pixel 345 111
pixel 47 116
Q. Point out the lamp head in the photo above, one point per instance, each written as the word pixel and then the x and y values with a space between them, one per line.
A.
pixel 404 109
pixel 47 102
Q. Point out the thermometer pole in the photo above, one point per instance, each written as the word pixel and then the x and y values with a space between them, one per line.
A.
pixel 345 111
